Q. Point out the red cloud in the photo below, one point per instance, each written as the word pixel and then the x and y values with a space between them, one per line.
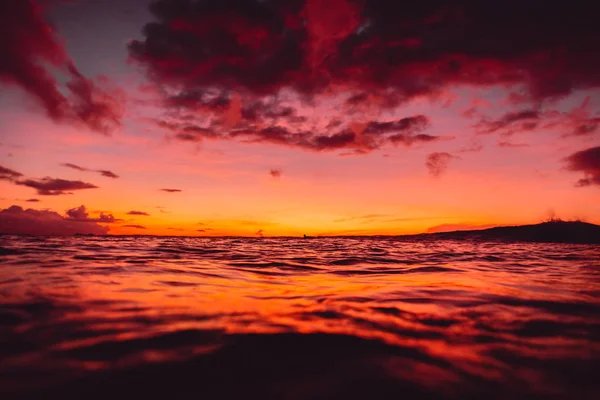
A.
pixel 403 49
pixel 507 144
pixel 361 137
pixel 134 226
pixel 437 163
pixel 53 187
pixel 511 122
pixel 103 172
pixel 232 62
pixel 28 47
pixel 108 174
pixel 577 122
pixel 171 190
pixel 80 214
pixel 138 213
pixel 73 166
pixel 8 174
pixel 231 69
pixel 275 173
pixel 588 162
pixel 18 221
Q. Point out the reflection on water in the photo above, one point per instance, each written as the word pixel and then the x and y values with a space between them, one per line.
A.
pixel 295 319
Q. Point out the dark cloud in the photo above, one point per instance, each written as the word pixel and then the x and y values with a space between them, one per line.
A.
pixel 134 226
pixel 78 213
pixel 103 172
pixel 275 173
pixel 578 122
pixel 361 137
pixel 511 122
pixel 437 163
pixel 588 127
pixel 53 187
pixel 30 50
pixel 73 166
pixel 171 190
pixel 8 174
pixel 588 162
pixel 409 124
pixel 391 50
pixel 409 140
pixel 18 221
pixel 32 200
pixel 108 174
pixel 474 147
pixel 138 213
pixel 81 214
pixel 510 145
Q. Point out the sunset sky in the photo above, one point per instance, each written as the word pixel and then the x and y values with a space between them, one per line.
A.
pixel 249 117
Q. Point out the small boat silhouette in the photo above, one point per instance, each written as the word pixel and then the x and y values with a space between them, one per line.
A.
pixel 308 237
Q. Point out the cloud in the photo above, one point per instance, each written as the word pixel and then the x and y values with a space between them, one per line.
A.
pixel 458 227
pixel 134 226
pixel 171 190
pixel 18 221
pixel 73 166
pixel 262 46
pixel 510 145
pixel 80 214
pixel 363 137
pixel 32 200
pixel 577 122
pixel 257 70
pixel 108 174
pixel 526 120
pixel 31 50
pixel 53 187
pixel 437 163
pixel 138 213
pixel 103 172
pixel 474 147
pixel 275 173
pixel 588 162
pixel 8 174
pixel 46 186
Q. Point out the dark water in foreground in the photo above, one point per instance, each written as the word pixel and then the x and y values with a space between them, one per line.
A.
pixel 88 318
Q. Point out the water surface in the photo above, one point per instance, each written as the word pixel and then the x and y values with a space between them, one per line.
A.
pixel 158 317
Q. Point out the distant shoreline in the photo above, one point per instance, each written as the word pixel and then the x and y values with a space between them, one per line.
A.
pixel 575 232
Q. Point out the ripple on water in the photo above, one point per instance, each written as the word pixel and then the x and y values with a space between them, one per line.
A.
pixel 344 318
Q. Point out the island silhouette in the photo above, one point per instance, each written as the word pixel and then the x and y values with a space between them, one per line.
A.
pixel 553 231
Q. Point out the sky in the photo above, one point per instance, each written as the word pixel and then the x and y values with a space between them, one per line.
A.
pixel 320 117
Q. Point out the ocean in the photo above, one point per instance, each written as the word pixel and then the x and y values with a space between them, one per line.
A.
pixel 287 318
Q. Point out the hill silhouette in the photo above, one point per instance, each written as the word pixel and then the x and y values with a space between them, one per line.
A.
pixel 556 231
